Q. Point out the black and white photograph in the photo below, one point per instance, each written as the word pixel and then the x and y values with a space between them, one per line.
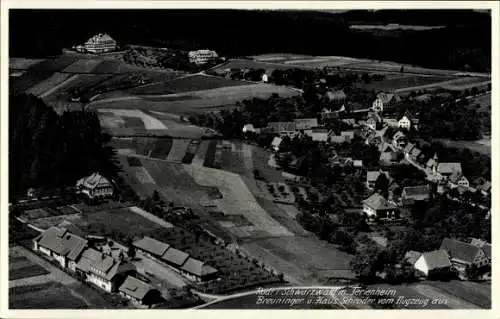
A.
pixel 253 158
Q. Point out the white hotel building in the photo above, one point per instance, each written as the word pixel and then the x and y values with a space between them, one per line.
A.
pixel 202 56
pixel 100 43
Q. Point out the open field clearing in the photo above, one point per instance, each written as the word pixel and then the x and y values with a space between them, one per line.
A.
pixel 44 296
pixel 395 67
pixel 121 221
pixel 78 81
pixel 203 101
pixel 404 82
pixel 82 66
pixel 178 150
pixel 30 78
pixel 473 292
pixel 281 214
pixel 175 183
pixel 21 267
pixel 47 84
pixel 22 63
pixel 187 84
pixel 275 57
pixel 466 83
pixel 54 65
pixel 237 199
pixel 150 123
pixel 411 292
pixel 150 216
pixel 253 64
pixel 47 222
pixel 483 100
pixel 482 146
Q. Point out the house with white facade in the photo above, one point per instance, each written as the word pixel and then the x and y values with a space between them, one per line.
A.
pixel 60 245
pixel 376 206
pixel 433 263
pixel 385 100
pixel 100 43
pixel 463 255
pixel 95 186
pixel 139 292
pixel 202 56
pixel 102 270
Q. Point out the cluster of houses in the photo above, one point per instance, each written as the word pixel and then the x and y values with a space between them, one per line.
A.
pixel 107 269
pixel 176 259
pixel 453 255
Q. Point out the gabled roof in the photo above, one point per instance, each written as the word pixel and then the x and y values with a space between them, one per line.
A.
pixel 377 202
pixel 431 162
pixel 386 148
pixel 306 123
pixel 134 287
pixel 93 181
pixel 175 256
pixel 485 187
pixel 372 176
pixel 415 152
pixel 387 97
pixel 449 168
pixel 197 268
pixel 276 142
pixel 102 265
pixel 282 126
pixel 417 192
pixel 459 250
pixel 152 246
pixel 412 256
pixel 457 177
pixel 436 259
pixel 409 147
pixel 101 37
pixel 485 246
pixel 62 242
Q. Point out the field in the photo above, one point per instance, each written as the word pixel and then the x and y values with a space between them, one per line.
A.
pixel 82 66
pixel 195 101
pixel 123 221
pixel 476 293
pixel 393 67
pixel 187 84
pixel 149 122
pixel 54 65
pixel 391 83
pixel 178 150
pixel 50 295
pixel 22 63
pixel 253 64
pixel 29 79
pixel 466 83
pixel 47 84
pixel 21 267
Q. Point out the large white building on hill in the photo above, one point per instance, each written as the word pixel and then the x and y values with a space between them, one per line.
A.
pixel 100 43
pixel 202 56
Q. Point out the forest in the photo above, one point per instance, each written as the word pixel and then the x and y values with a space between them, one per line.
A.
pixel 464 43
pixel 49 151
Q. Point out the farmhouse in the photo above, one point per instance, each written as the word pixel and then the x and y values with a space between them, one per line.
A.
pixel 318 134
pixel 139 292
pixel 457 179
pixel 305 124
pixel 433 263
pixel 377 206
pixel 282 128
pixel 448 169
pixel 463 254
pixel 95 186
pixel 60 245
pixel 178 260
pixel 413 194
pixel 485 246
pixel 202 56
pixel 412 256
pixel 100 43
pixel 384 100
pixel 336 97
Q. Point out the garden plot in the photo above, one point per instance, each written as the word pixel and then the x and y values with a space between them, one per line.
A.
pixel 178 150
pixel 237 199
pixel 150 123
pixel 21 267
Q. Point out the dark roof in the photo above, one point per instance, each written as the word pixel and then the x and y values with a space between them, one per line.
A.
pixel 485 187
pixel 135 287
pixel 175 256
pixel 197 268
pixel 281 126
pixel 377 202
pixel 102 265
pixel 459 250
pixel 62 242
pixel 412 256
pixel 436 259
pixel 486 247
pixel 152 246
pixel 417 192
pixel 409 147
pixel 305 124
